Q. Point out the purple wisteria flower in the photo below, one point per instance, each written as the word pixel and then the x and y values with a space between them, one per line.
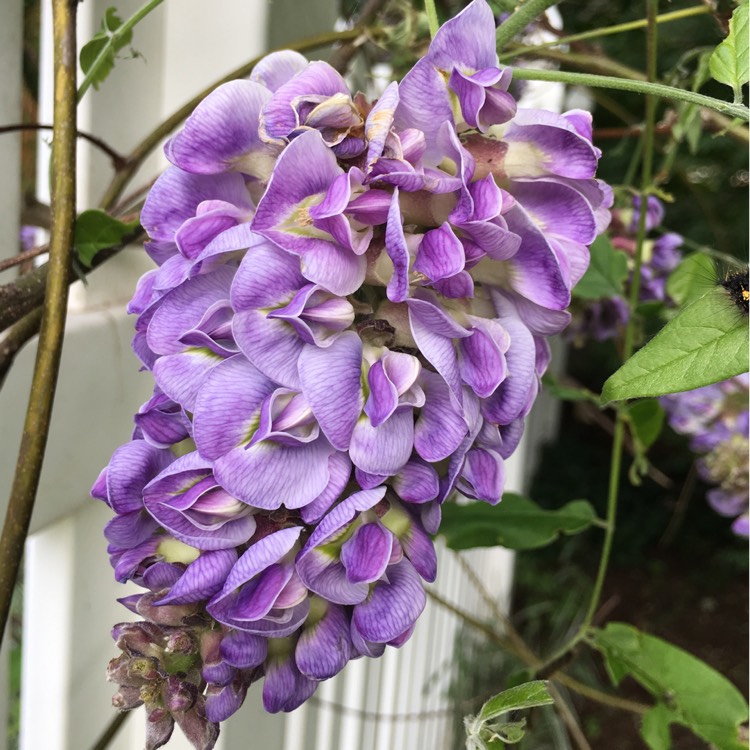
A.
pixel 715 418
pixel 606 318
pixel 347 324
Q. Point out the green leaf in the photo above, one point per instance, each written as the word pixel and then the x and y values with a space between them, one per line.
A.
pixel 687 691
pixel 655 727
pixel 516 523
pixel 695 276
pixel 96 230
pixel 646 421
pixel 103 47
pixel 606 273
pixel 729 61
pixel 528 695
pixel 706 342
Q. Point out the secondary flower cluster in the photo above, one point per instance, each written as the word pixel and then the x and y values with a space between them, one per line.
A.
pixel 347 323
pixel 716 420
pixel 606 318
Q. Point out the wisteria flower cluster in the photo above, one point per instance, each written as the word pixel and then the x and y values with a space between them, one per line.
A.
pixel 715 418
pixel 347 324
pixel 606 318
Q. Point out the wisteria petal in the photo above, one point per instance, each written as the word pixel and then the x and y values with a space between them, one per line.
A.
pixel 220 135
pixel 285 687
pixel 202 578
pixel 392 606
pixel 180 376
pixel 386 448
pixel 268 475
pixel 323 649
pixel 243 650
pixel 339 470
pixel 274 70
pixel 272 345
pixel 131 468
pixel 330 379
pixel 366 553
pixel 176 195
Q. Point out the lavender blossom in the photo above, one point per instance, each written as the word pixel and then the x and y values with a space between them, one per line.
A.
pixel 715 418
pixel 346 325
pixel 606 318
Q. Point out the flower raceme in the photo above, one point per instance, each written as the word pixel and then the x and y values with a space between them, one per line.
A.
pixel 347 323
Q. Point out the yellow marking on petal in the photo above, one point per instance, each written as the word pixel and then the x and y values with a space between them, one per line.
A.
pixel 524 159
pixel 175 551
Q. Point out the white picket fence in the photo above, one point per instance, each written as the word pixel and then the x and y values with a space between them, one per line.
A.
pixel 398 701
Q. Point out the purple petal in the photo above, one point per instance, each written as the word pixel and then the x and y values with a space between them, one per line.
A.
pixel 417 482
pixel 183 308
pixel 386 448
pixel 273 346
pixel 131 468
pixel 226 408
pixel 130 529
pixel 483 476
pixel 317 78
pixel 398 251
pixel 340 469
pixel 202 578
pixel 331 382
pixel 266 276
pixel 440 254
pixel 267 475
pixel 243 650
pixel 323 649
pixel 274 70
pixel 176 195
pixel 441 425
pixel 221 134
pixel 285 688
pixel 536 272
pixel 222 702
pixel 392 606
pixel 180 376
pixel 366 553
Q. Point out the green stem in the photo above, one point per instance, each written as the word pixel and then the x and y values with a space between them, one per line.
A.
pixel 44 380
pixel 141 152
pixel 640 87
pixel 675 15
pixel 630 329
pixel 523 16
pixel 116 35
pixel 432 17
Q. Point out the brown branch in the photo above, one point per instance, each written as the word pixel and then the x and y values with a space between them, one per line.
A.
pixel 28 291
pixel 117 159
pixel 36 426
pixel 35 213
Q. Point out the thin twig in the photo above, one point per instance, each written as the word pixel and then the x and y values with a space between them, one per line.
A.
pixel 118 160
pixel 569 719
pixel 570 682
pixel 19 258
pixel 110 731
pixel 36 427
pixel 675 522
